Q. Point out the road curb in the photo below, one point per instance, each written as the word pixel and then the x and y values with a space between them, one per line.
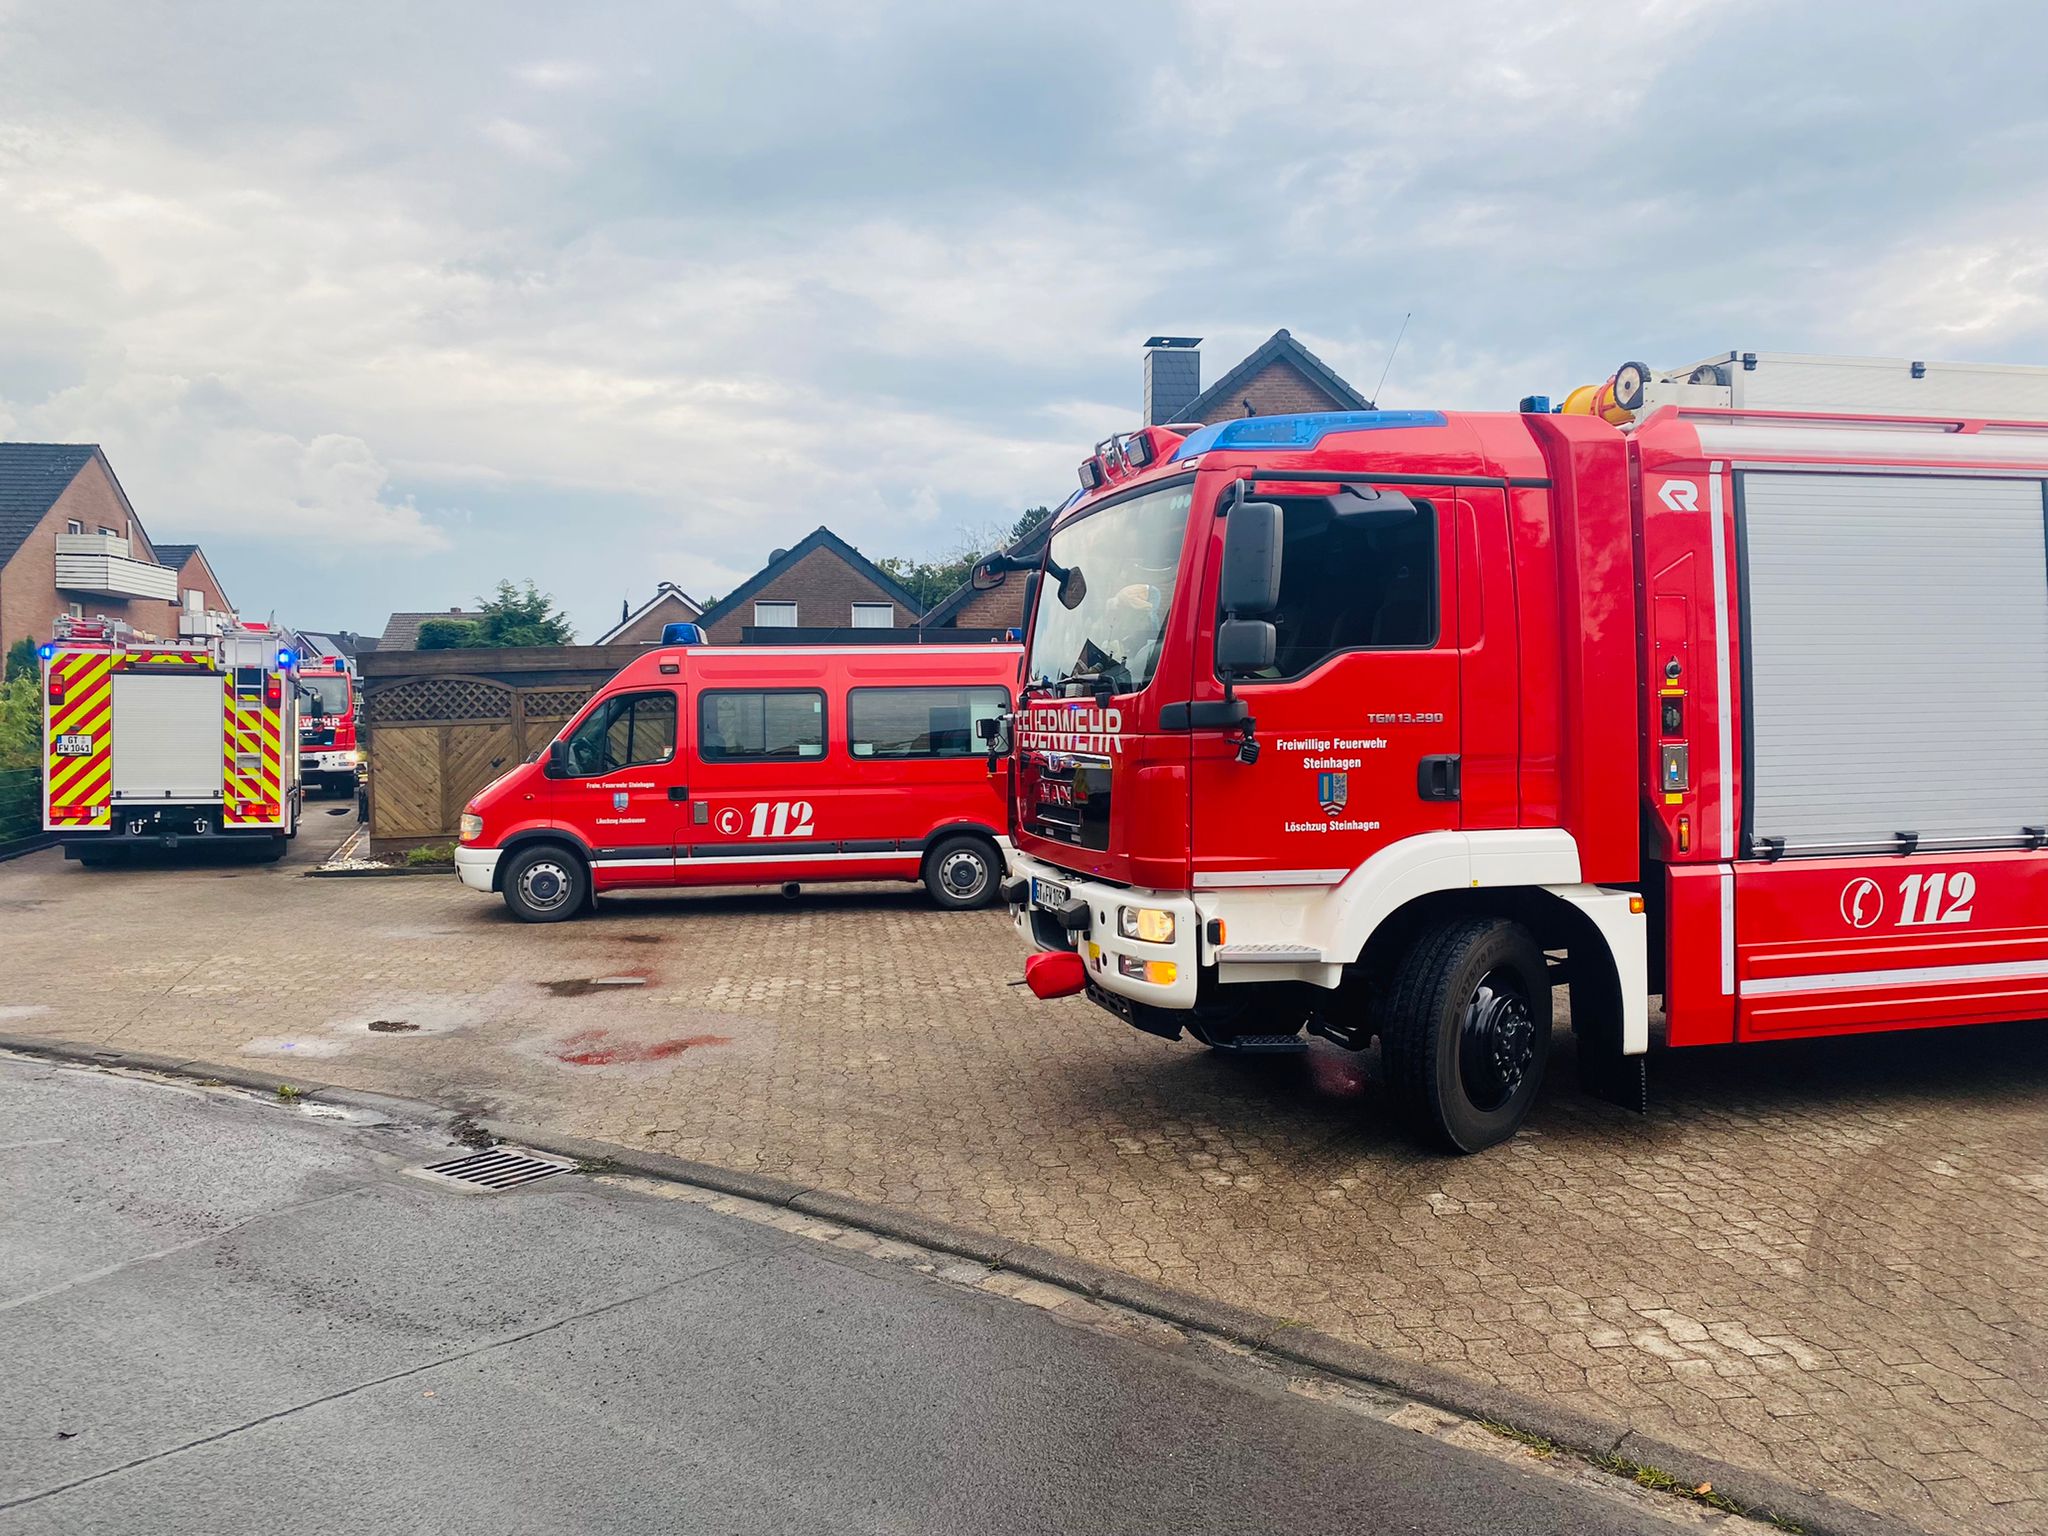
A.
pixel 1763 1496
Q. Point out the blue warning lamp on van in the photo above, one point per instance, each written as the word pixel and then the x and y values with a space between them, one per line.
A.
pixel 681 634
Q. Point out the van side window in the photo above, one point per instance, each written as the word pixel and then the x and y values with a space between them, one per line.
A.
pixel 765 724
pixel 1358 581
pixel 631 730
pixel 919 722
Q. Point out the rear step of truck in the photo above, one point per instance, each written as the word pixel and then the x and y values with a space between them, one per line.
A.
pixel 1261 1045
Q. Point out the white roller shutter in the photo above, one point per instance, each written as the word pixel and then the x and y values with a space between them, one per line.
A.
pixel 167 735
pixel 1898 658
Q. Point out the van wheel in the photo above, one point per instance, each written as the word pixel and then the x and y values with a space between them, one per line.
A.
pixel 1466 1032
pixel 962 872
pixel 546 884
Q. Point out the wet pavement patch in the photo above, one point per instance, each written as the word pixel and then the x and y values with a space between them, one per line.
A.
pixel 596 1048
pixel 641 938
pixel 391 1027
pixel 583 986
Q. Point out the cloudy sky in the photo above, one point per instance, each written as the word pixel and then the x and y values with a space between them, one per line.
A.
pixel 384 301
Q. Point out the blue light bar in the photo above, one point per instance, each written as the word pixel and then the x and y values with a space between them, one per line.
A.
pixel 681 634
pixel 46 651
pixel 286 660
pixel 1300 433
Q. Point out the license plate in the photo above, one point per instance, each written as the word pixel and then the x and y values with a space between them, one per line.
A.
pixel 1049 893
pixel 74 746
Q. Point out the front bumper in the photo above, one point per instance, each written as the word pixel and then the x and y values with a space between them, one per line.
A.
pixel 327 762
pixel 1102 947
pixel 477 868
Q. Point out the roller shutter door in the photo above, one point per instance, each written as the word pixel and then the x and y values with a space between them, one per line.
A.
pixel 168 734
pixel 1897 659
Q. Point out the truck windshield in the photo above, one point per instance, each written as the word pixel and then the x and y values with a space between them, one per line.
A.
pixel 333 693
pixel 1107 587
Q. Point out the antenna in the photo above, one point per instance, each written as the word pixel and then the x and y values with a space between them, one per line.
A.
pixel 1390 359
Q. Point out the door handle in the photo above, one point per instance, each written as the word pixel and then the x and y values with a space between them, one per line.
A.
pixel 1437 777
pixel 679 792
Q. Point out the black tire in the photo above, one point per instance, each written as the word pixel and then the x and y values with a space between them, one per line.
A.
pixel 272 849
pixel 963 871
pixel 545 883
pixel 97 858
pixel 1466 1032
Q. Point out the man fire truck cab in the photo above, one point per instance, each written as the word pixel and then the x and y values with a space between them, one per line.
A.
pixel 149 742
pixel 330 755
pixel 1723 685
pixel 706 765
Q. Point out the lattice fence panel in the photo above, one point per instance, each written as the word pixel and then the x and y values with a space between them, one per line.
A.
pixel 555 703
pixel 441 698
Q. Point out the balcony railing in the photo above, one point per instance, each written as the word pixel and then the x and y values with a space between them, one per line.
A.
pixel 100 563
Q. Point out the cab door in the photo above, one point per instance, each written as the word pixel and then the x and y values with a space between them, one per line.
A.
pixel 1357 721
pixel 626 792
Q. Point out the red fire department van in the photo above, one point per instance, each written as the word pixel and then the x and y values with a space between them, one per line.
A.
pixel 329 754
pixel 757 765
pixel 1723 685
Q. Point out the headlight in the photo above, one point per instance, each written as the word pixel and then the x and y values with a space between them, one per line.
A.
pixel 472 827
pixel 1149 924
pixel 360 755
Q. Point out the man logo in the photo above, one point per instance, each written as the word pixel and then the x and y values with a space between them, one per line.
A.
pixel 1333 792
pixel 1679 495
pixel 1862 903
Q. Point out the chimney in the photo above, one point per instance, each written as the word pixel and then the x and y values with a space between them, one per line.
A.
pixel 1173 377
pixel 457 611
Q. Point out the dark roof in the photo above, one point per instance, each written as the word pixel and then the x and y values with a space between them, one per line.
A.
pixel 32 477
pixel 174 555
pixel 1278 347
pixel 402 630
pixel 818 538
pixel 1027 548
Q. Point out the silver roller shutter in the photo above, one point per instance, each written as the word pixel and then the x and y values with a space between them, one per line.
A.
pixel 1898 658
pixel 167 735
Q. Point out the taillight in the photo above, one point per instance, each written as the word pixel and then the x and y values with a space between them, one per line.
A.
pixel 56 688
pixel 273 689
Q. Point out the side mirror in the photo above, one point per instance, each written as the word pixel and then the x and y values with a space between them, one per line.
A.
pixel 1251 559
pixel 558 759
pixel 1245 645
pixel 986 578
pixel 988 728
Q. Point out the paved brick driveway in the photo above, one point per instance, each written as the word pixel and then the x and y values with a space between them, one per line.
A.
pixel 1825 1260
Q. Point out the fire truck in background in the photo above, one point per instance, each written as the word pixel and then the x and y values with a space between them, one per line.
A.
pixel 330 703
pixel 164 742
pixel 1724 685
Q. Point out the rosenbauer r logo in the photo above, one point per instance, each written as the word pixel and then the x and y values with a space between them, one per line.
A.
pixel 1679 495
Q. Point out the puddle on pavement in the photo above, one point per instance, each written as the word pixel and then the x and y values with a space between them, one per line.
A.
pixel 9 1012
pixel 597 1048
pixel 392 1027
pixel 287 1045
pixel 637 938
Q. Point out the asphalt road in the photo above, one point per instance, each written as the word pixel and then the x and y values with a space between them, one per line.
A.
pixel 223 1315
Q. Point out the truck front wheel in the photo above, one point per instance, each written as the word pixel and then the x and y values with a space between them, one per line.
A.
pixel 545 884
pixel 1466 1031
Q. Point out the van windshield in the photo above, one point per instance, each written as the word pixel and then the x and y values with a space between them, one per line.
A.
pixel 1107 588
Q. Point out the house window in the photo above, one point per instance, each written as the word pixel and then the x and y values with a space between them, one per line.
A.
pixel 108 533
pixel 77 610
pixel 775 615
pixel 195 600
pixel 874 615
pixel 74 526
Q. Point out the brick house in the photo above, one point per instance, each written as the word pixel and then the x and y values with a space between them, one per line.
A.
pixel 402 630
pixel 71 543
pixel 643 625
pixel 821 583
pixel 1281 377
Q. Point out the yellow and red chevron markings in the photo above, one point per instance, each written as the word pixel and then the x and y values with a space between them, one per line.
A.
pixel 251 766
pixel 80 789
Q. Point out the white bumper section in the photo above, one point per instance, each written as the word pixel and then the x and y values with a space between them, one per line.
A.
pixel 476 867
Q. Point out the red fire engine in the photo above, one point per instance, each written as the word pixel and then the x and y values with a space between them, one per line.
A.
pixel 1722 685
pixel 163 742
pixel 329 755
pixel 756 765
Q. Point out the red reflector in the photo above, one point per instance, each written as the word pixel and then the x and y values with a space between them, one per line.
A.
pixel 1057 973
pixel 273 691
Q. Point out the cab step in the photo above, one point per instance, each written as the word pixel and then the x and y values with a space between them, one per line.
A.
pixel 1261 1045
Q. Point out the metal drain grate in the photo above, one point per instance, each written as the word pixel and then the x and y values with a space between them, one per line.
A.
pixel 494 1169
